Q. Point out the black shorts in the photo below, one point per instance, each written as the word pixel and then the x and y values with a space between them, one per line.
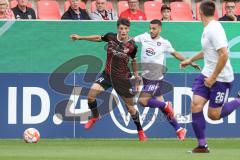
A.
pixel 123 87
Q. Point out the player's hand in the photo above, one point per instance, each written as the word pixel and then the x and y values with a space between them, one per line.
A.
pixel 209 81
pixel 185 63
pixel 137 83
pixel 137 88
pixel 196 66
pixel 75 37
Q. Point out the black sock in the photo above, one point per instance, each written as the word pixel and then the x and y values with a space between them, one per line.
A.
pixel 137 121
pixel 93 107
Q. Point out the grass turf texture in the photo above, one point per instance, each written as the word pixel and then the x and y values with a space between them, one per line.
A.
pixel 117 149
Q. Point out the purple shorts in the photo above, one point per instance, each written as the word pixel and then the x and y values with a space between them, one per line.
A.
pixel 217 94
pixel 156 87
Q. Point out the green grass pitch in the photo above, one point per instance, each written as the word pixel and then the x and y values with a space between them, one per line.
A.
pixel 116 149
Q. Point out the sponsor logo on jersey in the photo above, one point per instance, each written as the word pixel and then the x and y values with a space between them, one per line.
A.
pixel 150 51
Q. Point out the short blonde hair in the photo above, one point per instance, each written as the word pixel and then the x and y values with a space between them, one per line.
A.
pixel 5 1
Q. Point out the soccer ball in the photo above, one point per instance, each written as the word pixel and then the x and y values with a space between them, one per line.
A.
pixel 31 135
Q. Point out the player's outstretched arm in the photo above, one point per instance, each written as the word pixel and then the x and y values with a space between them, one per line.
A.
pixel 94 38
pixel 178 56
pixel 189 61
pixel 181 58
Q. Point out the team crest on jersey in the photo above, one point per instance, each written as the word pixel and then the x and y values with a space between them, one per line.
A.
pixel 150 51
pixel 158 43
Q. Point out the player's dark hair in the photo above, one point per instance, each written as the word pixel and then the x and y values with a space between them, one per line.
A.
pixel 123 21
pixel 208 8
pixel 231 1
pixel 156 21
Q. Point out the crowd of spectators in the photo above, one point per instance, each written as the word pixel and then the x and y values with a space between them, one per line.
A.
pixel 74 12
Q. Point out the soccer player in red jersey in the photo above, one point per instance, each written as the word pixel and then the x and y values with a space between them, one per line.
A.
pixel 116 74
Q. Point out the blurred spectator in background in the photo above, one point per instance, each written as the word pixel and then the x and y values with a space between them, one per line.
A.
pixel 230 15
pixel 5 11
pixel 166 13
pixel 186 1
pixel 75 12
pixel 189 2
pixel 21 11
pixel 133 13
pixel 101 12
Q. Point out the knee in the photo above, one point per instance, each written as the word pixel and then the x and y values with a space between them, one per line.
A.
pixel 132 110
pixel 196 107
pixel 213 115
pixel 91 99
pixel 142 102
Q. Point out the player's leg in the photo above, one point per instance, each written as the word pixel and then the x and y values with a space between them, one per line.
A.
pixel 129 102
pixel 151 90
pixel 92 103
pixel 123 87
pixel 218 105
pixel 95 90
pixel 229 107
pixel 151 96
pixel 181 132
pixel 199 123
pixel 146 99
pixel 165 107
pixel 200 97
pixel 100 85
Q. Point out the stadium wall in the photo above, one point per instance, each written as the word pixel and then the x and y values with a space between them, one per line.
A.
pixel 41 68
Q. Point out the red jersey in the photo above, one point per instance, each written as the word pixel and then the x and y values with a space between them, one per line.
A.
pixel 118 54
pixel 130 16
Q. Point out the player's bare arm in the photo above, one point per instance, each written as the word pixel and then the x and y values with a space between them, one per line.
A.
pixel 223 57
pixel 135 73
pixel 181 58
pixel 135 67
pixel 188 61
pixel 94 38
